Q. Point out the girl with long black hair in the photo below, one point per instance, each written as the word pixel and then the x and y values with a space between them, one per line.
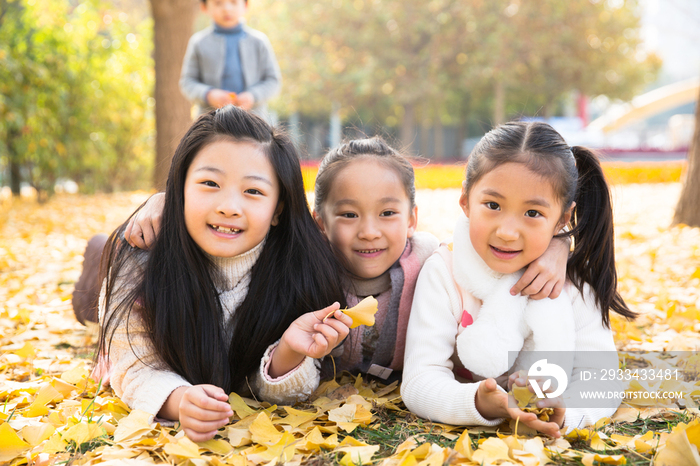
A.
pixel 232 295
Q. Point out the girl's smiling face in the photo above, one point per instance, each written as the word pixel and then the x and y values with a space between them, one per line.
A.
pixel 231 194
pixel 367 216
pixel 513 215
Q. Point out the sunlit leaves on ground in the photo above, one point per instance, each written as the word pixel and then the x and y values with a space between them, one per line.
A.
pixel 51 412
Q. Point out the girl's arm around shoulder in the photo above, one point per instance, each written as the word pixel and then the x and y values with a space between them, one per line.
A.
pixel 429 387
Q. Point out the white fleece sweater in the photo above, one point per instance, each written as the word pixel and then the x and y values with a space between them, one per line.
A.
pixel 144 382
pixel 433 391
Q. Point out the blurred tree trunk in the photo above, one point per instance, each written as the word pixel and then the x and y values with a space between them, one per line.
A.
pixel 15 165
pixel 688 208
pixel 172 28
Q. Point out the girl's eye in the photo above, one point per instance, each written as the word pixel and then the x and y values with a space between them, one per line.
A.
pixel 492 205
pixel 387 213
pixel 253 191
pixel 210 183
pixel 532 214
pixel 349 215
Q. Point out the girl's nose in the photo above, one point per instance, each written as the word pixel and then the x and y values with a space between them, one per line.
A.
pixel 369 230
pixel 229 207
pixel 507 231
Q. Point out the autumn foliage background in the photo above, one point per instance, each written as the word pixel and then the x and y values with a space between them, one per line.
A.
pixel 51 412
pixel 77 111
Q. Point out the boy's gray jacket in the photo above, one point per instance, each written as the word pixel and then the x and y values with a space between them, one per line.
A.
pixel 203 66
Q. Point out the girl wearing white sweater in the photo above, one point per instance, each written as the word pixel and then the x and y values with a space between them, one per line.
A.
pixel 523 184
pixel 233 293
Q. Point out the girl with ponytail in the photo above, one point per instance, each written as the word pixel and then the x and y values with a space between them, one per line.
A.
pixel 524 186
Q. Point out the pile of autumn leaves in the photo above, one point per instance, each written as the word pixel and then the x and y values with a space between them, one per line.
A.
pixel 70 416
pixel 50 411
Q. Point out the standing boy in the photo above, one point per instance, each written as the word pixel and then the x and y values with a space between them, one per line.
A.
pixel 228 62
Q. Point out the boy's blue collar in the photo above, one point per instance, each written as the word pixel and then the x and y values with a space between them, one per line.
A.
pixel 234 30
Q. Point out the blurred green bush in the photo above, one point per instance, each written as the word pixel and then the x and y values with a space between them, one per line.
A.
pixel 75 95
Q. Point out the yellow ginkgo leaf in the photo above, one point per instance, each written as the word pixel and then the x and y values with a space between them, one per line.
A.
pixel 35 434
pixel 296 417
pixel 363 313
pixel 263 431
pixel 283 450
pixel 76 375
pixel 523 396
pixel 464 445
pixel 11 445
pixel 83 432
pixel 44 396
pixel 54 444
pixel 344 417
pixel 218 446
pixel 239 437
pixel 589 459
pixel 492 450
pixel 133 427
pixel 25 352
pixel 184 448
pixel 239 406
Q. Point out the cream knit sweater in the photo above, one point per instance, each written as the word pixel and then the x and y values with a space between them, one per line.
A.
pixel 144 382
pixel 433 391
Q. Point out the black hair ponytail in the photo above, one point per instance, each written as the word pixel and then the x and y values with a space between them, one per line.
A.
pixel 593 259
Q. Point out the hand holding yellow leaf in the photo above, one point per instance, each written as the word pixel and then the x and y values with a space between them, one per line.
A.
pixel 362 314
pixel 527 403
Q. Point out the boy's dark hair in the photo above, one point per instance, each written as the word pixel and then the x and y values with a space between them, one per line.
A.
pixel 375 148
pixel 176 297
pixel 576 176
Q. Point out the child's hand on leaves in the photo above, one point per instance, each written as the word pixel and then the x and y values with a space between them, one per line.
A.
pixel 203 410
pixel 142 229
pixel 309 336
pixel 549 410
pixel 492 402
pixel 546 275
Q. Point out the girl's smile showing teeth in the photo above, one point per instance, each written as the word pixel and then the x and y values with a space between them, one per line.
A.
pixel 221 229
pixel 369 252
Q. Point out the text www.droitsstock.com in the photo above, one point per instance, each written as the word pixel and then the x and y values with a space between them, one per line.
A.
pixel 603 395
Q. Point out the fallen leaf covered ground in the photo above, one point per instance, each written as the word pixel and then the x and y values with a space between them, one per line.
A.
pixel 51 412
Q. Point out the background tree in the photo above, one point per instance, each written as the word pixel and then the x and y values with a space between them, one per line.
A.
pixel 688 208
pixel 592 47
pixel 172 28
pixel 427 63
